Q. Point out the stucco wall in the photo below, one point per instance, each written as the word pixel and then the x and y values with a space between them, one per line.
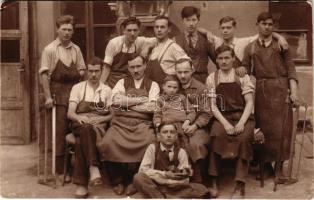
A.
pixel 245 13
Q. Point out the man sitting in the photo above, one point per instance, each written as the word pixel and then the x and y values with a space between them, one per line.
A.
pixel 165 169
pixel 88 111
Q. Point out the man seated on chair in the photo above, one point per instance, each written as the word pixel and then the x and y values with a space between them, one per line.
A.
pixel 165 168
pixel 89 114
pixel 233 127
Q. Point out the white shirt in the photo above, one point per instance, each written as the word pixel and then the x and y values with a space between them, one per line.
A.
pixel 152 95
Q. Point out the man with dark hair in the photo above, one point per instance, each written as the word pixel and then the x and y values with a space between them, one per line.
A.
pixel 62 66
pixel 165 53
pixel 123 146
pixel 197 131
pixel 276 90
pixel 195 44
pixel 123 48
pixel 89 112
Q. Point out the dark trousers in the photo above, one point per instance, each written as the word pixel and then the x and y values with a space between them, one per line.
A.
pixel 121 173
pixel 86 153
pixel 241 169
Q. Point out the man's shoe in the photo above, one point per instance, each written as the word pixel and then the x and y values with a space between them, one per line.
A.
pixel 81 192
pixel 239 191
pixel 119 189
pixel 213 190
pixel 95 182
pixel 130 190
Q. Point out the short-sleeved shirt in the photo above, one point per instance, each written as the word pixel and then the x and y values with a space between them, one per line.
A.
pixel 237 44
pixel 117 45
pixel 170 57
pixel 245 82
pixel 103 92
pixel 54 52
pixel 152 95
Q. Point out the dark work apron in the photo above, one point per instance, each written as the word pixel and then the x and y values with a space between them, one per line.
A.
pixel 61 81
pixel 232 108
pixel 119 68
pixel 154 70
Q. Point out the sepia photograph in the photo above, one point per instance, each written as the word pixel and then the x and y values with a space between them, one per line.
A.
pixel 156 99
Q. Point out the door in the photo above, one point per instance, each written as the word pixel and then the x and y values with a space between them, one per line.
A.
pixel 15 119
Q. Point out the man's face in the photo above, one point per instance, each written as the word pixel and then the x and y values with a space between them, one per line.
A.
pixel 168 135
pixel 161 29
pixel 225 60
pixel 94 73
pixel 65 32
pixel 265 28
pixel 227 30
pixel 184 72
pixel 190 23
pixel 131 32
pixel 136 68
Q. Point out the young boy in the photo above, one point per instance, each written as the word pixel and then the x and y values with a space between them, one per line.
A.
pixel 165 170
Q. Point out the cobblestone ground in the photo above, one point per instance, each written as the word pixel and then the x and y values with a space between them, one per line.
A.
pixel 19 178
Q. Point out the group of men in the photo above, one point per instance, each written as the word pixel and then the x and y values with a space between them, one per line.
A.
pixel 123 89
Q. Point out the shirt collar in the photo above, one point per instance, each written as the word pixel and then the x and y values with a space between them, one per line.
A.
pixel 99 88
pixel 194 34
pixel 58 43
pixel 267 42
pixel 162 148
pixel 231 43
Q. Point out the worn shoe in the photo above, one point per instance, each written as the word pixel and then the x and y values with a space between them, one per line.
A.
pixel 119 189
pixel 239 191
pixel 95 182
pixel 81 192
pixel 130 190
pixel 213 190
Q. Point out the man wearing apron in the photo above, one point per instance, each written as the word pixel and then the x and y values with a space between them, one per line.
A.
pixel 121 49
pixel 165 54
pixel 231 134
pixel 62 66
pixel 131 130
pixel 195 44
pixel 89 113
pixel 276 90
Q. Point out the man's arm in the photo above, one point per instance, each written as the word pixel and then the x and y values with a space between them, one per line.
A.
pixel 75 117
pixel 239 127
pixel 105 73
pixel 46 88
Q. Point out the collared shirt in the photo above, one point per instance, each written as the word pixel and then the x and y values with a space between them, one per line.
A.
pixel 267 43
pixel 196 92
pixel 193 36
pixel 246 84
pixel 55 51
pixel 168 55
pixel 152 95
pixel 103 91
pixel 117 45
pixel 148 163
pixel 238 44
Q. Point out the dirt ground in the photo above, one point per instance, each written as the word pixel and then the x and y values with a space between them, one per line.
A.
pixel 19 178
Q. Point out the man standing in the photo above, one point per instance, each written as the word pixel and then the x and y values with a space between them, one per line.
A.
pixel 165 54
pixel 276 90
pixel 123 146
pixel 123 48
pixel 62 66
pixel 197 130
pixel 88 110
pixel 195 44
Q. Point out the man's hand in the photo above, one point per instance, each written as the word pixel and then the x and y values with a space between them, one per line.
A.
pixel 241 71
pixel 185 124
pixel 83 119
pixel 259 137
pixel 174 176
pixel 49 102
pixel 239 128
pixel 229 129
pixel 190 130
pixel 294 97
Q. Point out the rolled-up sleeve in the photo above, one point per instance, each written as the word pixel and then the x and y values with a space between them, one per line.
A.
pixel 246 85
pixel 46 61
pixel 153 92
pixel 75 94
pixel 80 60
pixel 110 52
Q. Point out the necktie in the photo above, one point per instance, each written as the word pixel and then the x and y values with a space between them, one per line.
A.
pixel 263 43
pixel 190 40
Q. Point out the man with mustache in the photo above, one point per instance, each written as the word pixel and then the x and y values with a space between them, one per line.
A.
pixel 123 146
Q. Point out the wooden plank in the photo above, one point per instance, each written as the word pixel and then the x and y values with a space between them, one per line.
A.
pixel 11 34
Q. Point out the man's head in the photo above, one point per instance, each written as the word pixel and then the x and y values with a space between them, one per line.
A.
pixel 137 67
pixel 131 28
pixel 162 27
pixel 65 27
pixel 225 57
pixel 190 17
pixel 265 22
pixel 227 26
pixel 184 70
pixel 94 70
pixel 167 134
